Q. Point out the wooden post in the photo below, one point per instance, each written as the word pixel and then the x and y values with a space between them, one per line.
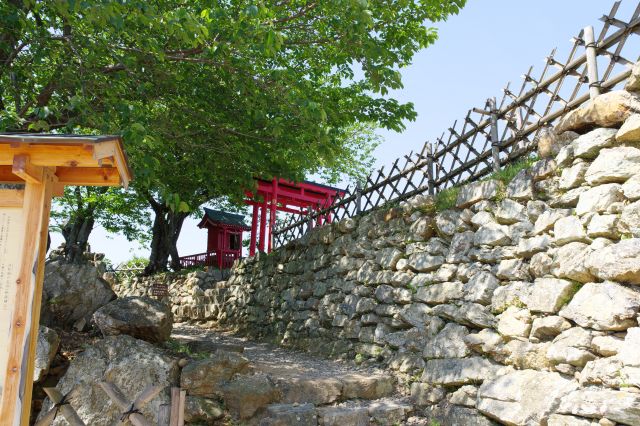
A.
pixel 592 63
pixel 263 225
pixel 254 230
pixel 495 142
pixel 272 212
pixel 183 399
pixel 175 406
pixel 358 198
pixel 430 169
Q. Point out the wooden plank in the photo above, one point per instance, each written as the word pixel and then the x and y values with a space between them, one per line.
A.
pixel 28 293
pixel 183 398
pixel 11 197
pixel 26 171
pixel 49 180
pixel 88 176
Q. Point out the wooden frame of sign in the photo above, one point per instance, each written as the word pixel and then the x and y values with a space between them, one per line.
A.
pixel 37 167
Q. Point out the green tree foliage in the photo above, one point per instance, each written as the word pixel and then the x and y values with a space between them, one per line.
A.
pixel 210 94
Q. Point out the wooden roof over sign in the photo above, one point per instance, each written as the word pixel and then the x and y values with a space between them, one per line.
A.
pixel 79 159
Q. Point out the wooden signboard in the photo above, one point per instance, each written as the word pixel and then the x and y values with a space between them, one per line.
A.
pixel 33 169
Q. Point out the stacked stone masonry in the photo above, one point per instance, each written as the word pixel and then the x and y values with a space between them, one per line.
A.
pixel 519 306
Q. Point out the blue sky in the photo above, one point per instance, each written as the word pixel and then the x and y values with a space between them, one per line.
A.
pixel 490 43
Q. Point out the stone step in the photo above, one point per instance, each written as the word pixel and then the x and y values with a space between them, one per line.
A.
pixel 379 412
pixel 327 390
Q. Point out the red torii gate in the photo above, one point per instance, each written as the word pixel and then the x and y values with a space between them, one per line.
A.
pixel 282 195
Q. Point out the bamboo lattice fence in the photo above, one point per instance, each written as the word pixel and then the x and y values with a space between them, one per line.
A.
pixel 502 131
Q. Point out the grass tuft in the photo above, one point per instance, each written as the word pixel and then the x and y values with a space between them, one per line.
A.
pixel 446 199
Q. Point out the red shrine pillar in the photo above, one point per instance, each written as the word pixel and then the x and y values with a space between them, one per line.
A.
pixel 263 224
pixel 254 230
pixel 272 212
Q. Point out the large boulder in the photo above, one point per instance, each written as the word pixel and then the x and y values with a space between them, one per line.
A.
pixel 130 364
pixel 72 293
pixel 607 110
pixel 618 262
pixel 461 371
pixel 141 317
pixel 523 397
pixel 603 306
pixel 618 406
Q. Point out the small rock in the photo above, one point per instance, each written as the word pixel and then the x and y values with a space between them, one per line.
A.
pixel 492 234
pixel 546 328
pixel 465 396
pixel 572 347
pixel 626 161
pixel 589 145
pixel 472 193
pixel 198 409
pixel 514 322
pixel 630 130
pixel 46 348
pixel 630 220
pixel 599 199
pixel 423 394
pixel 618 262
pixel 569 229
pixel 573 176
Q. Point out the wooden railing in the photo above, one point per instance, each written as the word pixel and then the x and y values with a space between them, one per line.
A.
pixel 501 132
pixel 221 259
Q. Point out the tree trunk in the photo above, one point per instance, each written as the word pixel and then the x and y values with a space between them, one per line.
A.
pixel 167 225
pixel 76 236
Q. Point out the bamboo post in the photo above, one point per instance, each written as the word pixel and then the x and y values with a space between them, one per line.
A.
pixel 130 410
pixel 592 63
pixel 495 143
pixel 358 198
pixel 64 408
pixel 430 169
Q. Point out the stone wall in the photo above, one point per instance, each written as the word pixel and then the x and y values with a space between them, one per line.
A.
pixel 521 302
pixel 190 295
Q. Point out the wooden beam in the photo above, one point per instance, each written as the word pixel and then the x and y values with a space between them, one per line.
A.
pixel 50 155
pixel 11 197
pixel 7 176
pixel 26 171
pixel 58 189
pixel 88 176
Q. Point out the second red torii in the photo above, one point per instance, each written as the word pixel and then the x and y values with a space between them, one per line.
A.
pixel 282 195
